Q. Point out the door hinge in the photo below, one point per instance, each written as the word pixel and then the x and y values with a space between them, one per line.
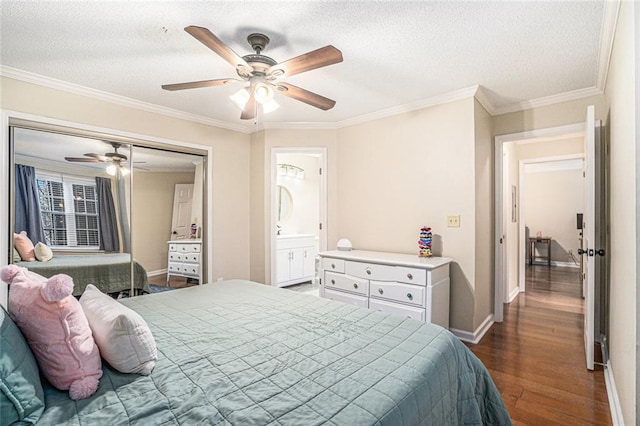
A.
pixel 320 171
pixel 320 226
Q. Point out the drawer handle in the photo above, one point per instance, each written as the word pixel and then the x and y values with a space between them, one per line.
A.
pixel 410 296
pixel 333 266
pixel 381 291
pixel 368 271
pixel 333 282
pixel 410 276
pixel 355 286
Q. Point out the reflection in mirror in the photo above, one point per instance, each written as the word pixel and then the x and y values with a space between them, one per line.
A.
pixel 167 216
pixel 70 201
pixel 284 203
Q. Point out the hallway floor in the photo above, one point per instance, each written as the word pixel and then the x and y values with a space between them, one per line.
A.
pixel 536 356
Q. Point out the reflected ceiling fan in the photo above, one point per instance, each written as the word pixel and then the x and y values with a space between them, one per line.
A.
pixel 115 160
pixel 263 73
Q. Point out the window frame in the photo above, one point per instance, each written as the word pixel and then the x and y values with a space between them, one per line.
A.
pixel 70 214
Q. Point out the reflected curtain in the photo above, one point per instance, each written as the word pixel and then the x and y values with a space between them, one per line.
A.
pixel 109 240
pixel 27 207
pixel 124 215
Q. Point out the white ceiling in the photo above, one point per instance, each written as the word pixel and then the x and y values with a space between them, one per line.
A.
pixel 396 53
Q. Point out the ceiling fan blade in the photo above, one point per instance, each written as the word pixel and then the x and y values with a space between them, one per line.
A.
pixel 196 84
pixel 318 58
pixel 82 160
pixel 207 38
pixel 250 109
pixel 97 156
pixel 305 96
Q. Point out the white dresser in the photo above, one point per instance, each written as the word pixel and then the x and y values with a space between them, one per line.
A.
pixel 295 258
pixel 185 259
pixel 400 284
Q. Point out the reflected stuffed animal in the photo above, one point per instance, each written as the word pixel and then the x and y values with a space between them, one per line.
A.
pixel 55 328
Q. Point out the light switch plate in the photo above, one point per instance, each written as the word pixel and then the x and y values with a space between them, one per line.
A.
pixel 453 221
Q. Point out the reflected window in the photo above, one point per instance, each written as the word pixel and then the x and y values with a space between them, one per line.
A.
pixel 69 211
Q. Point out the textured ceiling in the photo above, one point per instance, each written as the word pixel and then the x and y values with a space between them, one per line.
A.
pixel 395 53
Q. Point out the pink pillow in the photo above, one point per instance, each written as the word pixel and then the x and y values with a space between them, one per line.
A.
pixel 25 248
pixel 56 329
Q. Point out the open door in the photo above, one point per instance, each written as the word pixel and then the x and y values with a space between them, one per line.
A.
pixel 589 235
pixel 181 219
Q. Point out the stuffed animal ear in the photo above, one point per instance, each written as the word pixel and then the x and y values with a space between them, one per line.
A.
pixel 58 287
pixel 8 272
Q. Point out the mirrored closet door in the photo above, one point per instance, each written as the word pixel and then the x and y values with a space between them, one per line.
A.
pixel 101 210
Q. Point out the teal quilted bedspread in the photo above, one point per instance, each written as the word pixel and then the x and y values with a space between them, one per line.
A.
pixel 248 354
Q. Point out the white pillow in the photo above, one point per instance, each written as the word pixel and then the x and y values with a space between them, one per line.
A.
pixel 43 252
pixel 122 335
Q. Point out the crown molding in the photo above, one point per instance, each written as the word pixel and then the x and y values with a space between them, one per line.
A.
pixel 483 98
pixel 549 100
pixel 444 98
pixel 56 84
pixel 607 36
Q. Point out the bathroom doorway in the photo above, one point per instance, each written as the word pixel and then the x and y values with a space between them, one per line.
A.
pixel 298 213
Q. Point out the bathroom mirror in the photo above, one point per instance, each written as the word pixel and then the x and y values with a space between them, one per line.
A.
pixel 284 203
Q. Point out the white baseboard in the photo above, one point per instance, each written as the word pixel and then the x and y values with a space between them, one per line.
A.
pixel 612 394
pixel 477 335
pixel 156 273
pixel 514 293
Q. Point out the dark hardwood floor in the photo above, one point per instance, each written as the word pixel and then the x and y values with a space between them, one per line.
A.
pixel 536 356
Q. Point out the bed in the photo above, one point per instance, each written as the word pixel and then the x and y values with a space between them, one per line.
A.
pixel 243 353
pixel 110 272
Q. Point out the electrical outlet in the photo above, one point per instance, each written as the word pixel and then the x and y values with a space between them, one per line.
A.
pixel 453 221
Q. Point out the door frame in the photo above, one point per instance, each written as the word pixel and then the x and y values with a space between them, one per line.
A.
pixel 322 216
pixel 500 263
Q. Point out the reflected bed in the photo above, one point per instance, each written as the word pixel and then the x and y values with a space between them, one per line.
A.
pixel 110 272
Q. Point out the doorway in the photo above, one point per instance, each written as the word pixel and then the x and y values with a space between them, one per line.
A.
pixel 298 213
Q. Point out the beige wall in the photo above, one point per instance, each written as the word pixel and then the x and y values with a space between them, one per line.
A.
pixel 230 210
pixel 551 201
pixel 484 215
pixel 623 144
pixel 400 173
pixel 151 214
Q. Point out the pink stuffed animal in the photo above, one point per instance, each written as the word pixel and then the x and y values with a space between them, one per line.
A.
pixel 56 329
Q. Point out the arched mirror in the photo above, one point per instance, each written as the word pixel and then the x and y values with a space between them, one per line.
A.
pixel 284 203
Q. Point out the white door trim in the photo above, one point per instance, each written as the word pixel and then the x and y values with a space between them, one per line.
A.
pixel 271 242
pixel 500 264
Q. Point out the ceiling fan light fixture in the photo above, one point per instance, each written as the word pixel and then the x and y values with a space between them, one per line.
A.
pixel 124 171
pixel 111 169
pixel 240 98
pixel 269 106
pixel 262 92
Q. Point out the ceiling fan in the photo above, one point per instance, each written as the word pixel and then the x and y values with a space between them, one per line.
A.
pixel 115 160
pixel 263 73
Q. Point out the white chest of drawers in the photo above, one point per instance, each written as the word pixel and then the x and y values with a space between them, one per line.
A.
pixel 185 259
pixel 400 284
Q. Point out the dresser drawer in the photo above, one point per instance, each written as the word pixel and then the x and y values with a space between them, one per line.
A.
pixel 351 299
pixel 191 257
pixel 189 248
pixel 335 265
pixel 397 309
pixel 175 256
pixel 173 247
pixel 377 272
pixel 190 269
pixel 398 292
pixel 346 283
pixel 174 267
